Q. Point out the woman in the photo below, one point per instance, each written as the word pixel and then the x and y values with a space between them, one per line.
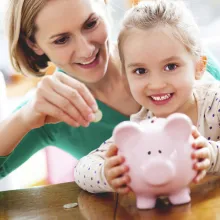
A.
pixel 73 34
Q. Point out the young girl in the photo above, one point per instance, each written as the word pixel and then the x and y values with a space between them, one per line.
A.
pixel 161 54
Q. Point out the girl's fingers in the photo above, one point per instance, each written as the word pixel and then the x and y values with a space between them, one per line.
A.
pixel 195 132
pixel 123 190
pixel 120 182
pixel 200 176
pixel 113 150
pixel 81 88
pixel 202 165
pixel 202 153
pixel 117 171
pixel 200 142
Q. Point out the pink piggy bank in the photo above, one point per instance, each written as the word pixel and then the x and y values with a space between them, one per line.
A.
pixel 158 154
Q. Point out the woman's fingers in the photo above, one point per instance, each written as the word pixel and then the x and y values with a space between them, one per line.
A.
pixel 74 100
pixel 55 113
pixel 64 105
pixel 81 88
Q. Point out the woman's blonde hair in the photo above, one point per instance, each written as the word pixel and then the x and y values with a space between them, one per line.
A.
pixel 158 13
pixel 20 27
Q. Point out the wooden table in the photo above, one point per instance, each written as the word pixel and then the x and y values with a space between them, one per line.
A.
pixel 46 203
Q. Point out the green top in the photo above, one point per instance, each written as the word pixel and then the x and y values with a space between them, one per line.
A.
pixel 76 141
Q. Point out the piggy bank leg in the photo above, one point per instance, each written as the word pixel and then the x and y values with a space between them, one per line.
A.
pixel 180 197
pixel 144 202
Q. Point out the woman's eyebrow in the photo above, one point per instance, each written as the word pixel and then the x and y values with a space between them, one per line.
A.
pixel 65 33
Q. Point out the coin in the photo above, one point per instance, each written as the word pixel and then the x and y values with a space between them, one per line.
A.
pixel 70 205
pixel 98 116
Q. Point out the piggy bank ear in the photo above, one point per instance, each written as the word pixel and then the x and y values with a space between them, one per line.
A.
pixel 125 134
pixel 178 126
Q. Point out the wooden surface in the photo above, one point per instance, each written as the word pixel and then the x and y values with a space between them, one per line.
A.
pixel 45 203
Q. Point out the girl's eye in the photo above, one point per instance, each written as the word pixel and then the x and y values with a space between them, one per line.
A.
pixel 91 24
pixel 170 67
pixel 62 40
pixel 140 71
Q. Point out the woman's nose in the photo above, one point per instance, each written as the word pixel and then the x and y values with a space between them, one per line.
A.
pixel 85 49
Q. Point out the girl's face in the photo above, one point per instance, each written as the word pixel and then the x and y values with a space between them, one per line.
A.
pixel 74 36
pixel 160 70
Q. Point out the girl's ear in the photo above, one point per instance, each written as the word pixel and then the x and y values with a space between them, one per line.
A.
pixel 201 67
pixel 34 47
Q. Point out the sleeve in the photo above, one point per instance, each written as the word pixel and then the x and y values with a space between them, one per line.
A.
pixel 215 158
pixel 89 171
pixel 31 143
pixel 214 145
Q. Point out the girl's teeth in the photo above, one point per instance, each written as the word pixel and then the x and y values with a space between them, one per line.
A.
pixel 161 98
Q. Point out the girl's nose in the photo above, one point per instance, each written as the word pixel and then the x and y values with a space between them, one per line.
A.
pixel 156 83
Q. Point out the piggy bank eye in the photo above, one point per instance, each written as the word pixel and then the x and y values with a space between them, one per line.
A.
pixel 149 152
pixel 160 152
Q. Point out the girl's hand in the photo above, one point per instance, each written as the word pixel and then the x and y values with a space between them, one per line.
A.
pixel 115 171
pixel 60 98
pixel 201 154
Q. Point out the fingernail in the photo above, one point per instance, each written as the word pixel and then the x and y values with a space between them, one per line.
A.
pixel 91 117
pixel 86 124
pixel 77 125
pixel 95 108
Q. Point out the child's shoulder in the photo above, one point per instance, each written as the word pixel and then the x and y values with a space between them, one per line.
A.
pixel 207 91
pixel 208 99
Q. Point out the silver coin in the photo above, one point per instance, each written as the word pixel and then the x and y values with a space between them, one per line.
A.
pixel 70 205
pixel 98 116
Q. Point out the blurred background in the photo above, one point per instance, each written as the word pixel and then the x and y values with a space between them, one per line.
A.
pixel 43 167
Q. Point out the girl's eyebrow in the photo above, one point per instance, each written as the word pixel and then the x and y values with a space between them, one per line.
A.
pixel 170 59
pixel 65 33
pixel 132 65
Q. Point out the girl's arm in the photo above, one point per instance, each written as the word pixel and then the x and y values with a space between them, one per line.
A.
pixel 89 172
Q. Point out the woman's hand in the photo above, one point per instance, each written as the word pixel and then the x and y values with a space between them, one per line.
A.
pixel 60 98
pixel 115 171
pixel 201 154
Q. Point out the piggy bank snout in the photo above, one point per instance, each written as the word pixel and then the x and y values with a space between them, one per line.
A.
pixel 158 172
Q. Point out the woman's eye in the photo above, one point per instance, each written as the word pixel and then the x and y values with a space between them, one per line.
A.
pixel 62 40
pixel 140 71
pixel 170 67
pixel 91 24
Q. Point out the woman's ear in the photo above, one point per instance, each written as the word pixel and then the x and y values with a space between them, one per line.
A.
pixel 34 47
pixel 201 67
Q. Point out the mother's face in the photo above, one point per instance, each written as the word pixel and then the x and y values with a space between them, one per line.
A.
pixel 74 36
